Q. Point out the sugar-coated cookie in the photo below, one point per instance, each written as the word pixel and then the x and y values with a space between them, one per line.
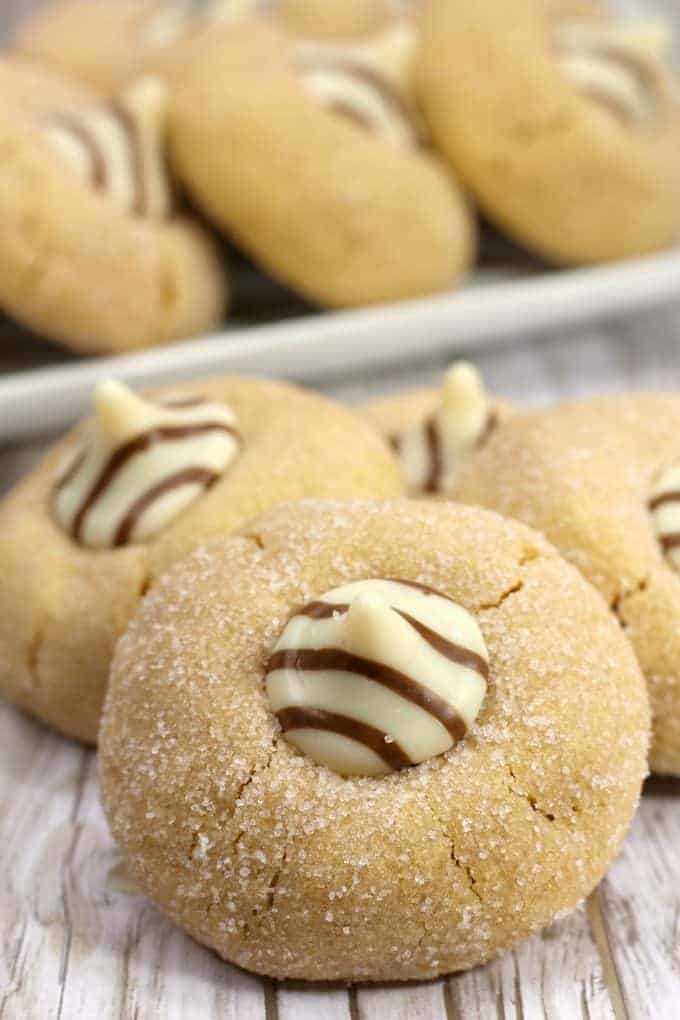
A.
pixel 92 250
pixel 283 823
pixel 132 490
pixel 433 431
pixel 311 156
pixel 598 477
pixel 564 126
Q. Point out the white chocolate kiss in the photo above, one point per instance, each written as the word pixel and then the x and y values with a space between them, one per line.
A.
pixel 378 675
pixel 431 453
pixel 119 148
pixel 664 506
pixel 618 65
pixel 140 465
pixel 367 82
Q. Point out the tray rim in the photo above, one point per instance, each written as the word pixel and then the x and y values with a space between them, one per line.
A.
pixel 40 401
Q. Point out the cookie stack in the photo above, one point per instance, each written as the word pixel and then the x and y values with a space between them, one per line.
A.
pixel 342 146
pixel 350 728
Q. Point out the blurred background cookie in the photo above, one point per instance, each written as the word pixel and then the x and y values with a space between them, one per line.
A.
pixel 114 504
pixel 564 127
pixel 93 251
pixel 592 477
pixel 108 42
pixel 312 160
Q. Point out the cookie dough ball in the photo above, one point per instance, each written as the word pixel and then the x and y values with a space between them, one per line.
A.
pixel 587 475
pixel 434 431
pixel 93 252
pixel 331 189
pixel 128 493
pixel 287 867
pixel 564 128
pixel 335 19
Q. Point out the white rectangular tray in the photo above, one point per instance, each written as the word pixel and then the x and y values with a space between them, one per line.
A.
pixel 495 307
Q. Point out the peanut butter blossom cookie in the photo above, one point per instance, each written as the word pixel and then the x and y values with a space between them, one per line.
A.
pixel 433 432
pixel 563 125
pixel 93 252
pixel 601 478
pixel 331 189
pixel 359 741
pixel 133 489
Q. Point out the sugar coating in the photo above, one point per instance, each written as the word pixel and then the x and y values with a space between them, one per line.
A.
pixel 62 607
pixel 286 868
pixel 583 473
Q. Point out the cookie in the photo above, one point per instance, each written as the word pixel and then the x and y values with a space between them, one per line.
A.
pixel 332 191
pixel 434 431
pixel 570 139
pixel 595 476
pixel 371 741
pixel 134 489
pixel 93 252
pixel 335 19
pixel 106 43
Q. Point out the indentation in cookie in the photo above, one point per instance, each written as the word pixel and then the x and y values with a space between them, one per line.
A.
pixel 618 66
pixel 664 507
pixel 368 83
pixel 378 675
pixel 118 148
pixel 140 465
pixel 432 452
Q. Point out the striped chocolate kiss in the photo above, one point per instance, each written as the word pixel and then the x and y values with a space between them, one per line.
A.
pixel 118 148
pixel 141 465
pixel 431 453
pixel 664 507
pixel 378 675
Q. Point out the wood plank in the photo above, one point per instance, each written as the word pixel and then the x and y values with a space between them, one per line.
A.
pixel 557 975
pixel 40 788
pixel 296 1001
pixel 640 900
pixel 402 1002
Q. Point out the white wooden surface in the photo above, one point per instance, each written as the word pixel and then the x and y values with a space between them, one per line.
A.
pixel 78 942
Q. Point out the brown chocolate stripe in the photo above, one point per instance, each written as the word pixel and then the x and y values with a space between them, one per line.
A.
pixel 129 128
pixel 420 587
pixel 317 719
pixel 317 659
pixel 353 69
pixel 671 541
pixel 68 122
pixel 459 654
pixel 322 610
pixel 72 470
pixel 394 442
pixel 434 453
pixel 190 476
pixel 139 444
pixel 672 496
pixel 491 425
